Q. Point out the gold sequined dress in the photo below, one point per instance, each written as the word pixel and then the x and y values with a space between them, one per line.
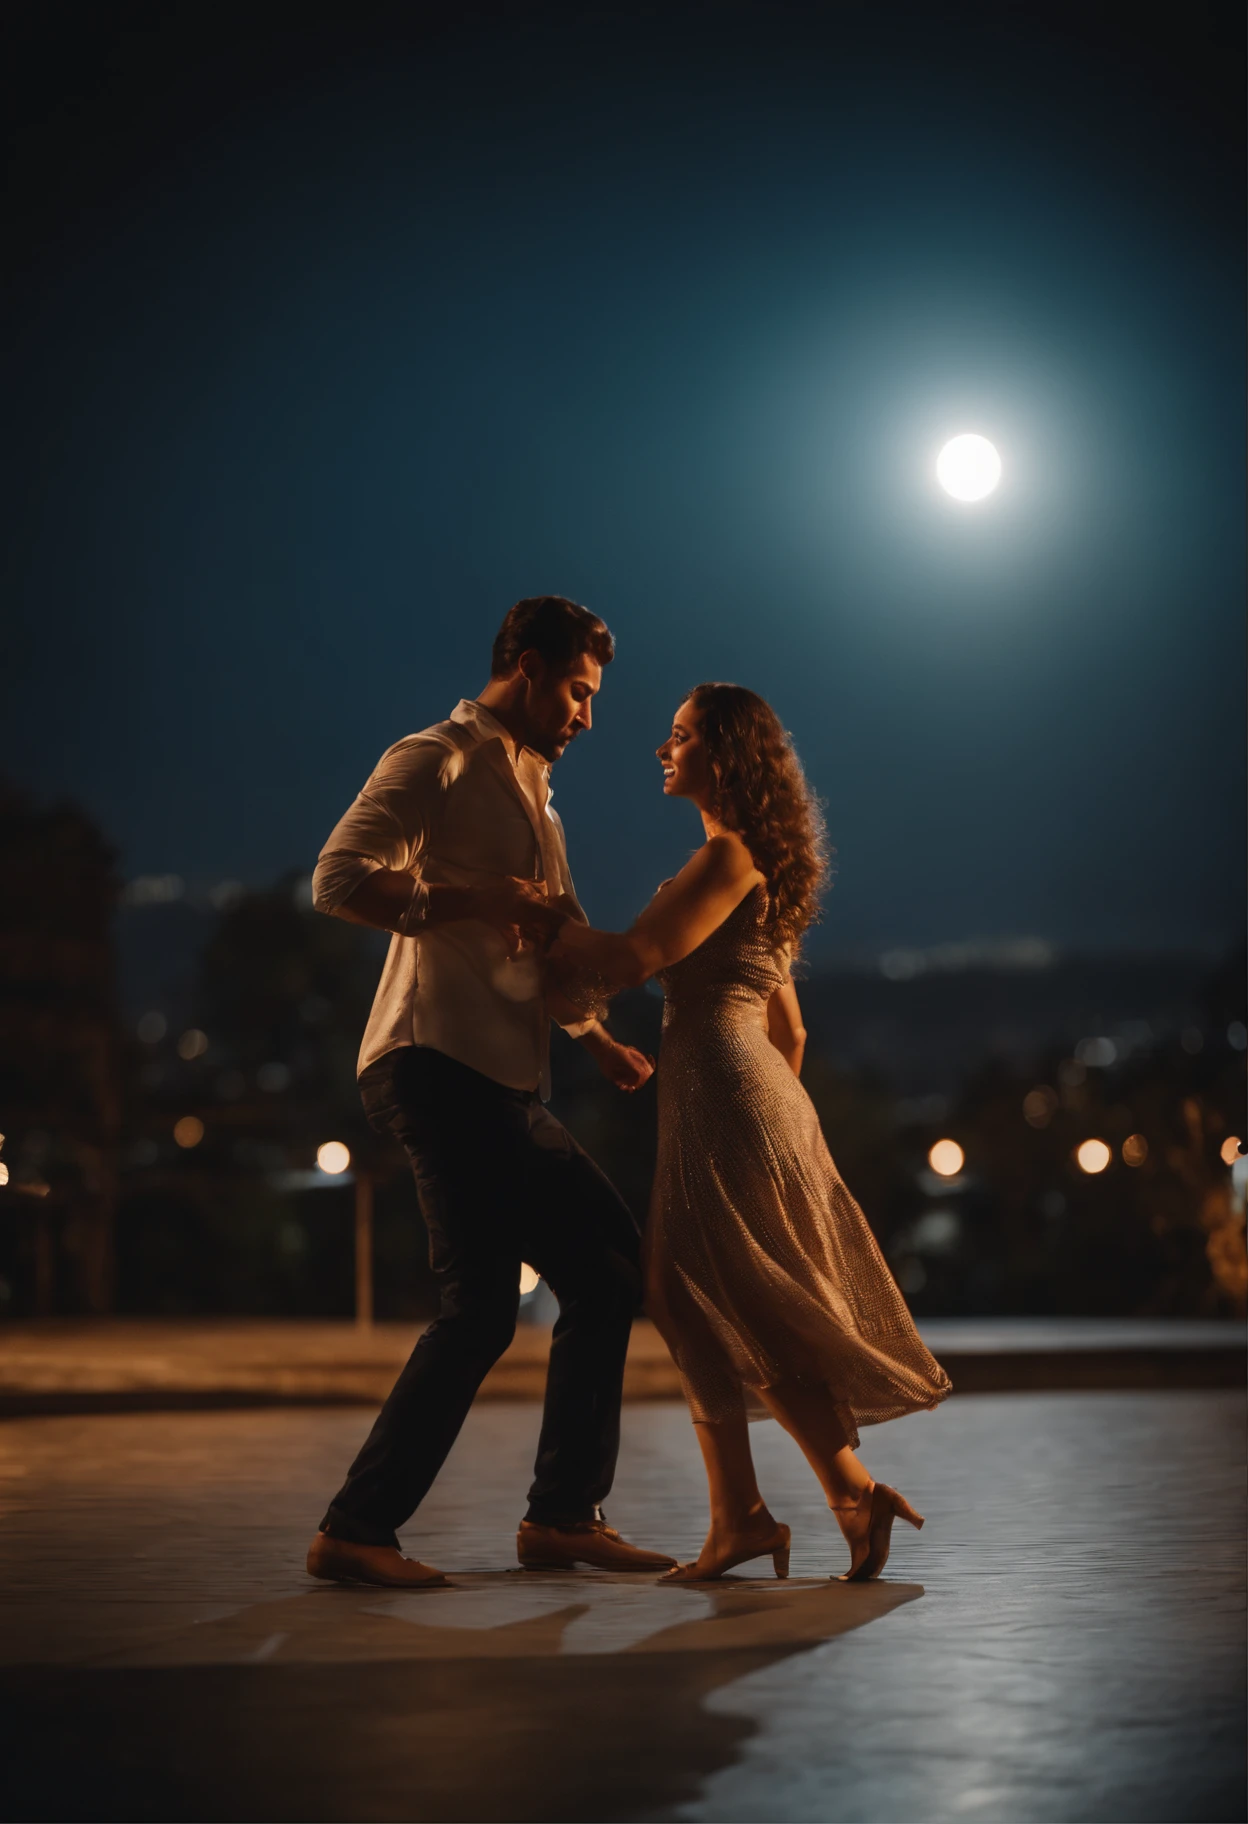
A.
pixel 761 1268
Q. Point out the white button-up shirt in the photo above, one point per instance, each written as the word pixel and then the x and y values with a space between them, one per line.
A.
pixel 456 805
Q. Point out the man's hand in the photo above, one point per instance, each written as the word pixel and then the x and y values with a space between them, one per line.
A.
pixel 519 909
pixel 622 1065
pixel 626 1067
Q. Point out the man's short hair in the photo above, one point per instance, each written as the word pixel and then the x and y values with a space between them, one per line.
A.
pixel 556 628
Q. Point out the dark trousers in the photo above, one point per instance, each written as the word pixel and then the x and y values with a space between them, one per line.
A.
pixel 500 1182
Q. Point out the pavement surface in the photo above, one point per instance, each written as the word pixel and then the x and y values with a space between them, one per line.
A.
pixel 112 1365
pixel 1064 1640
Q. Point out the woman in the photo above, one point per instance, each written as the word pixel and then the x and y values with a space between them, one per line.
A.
pixel 762 1274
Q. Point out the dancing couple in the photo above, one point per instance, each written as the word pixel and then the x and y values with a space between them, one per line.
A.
pixel 759 1269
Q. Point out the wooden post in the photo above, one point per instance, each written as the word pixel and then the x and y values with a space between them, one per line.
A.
pixel 45 1263
pixel 363 1250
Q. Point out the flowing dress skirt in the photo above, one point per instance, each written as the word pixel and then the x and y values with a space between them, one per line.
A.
pixel 761 1268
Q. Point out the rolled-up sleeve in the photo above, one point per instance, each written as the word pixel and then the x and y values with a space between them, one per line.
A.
pixel 387 826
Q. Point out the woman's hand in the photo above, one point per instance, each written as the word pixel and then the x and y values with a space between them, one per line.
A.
pixel 784 1027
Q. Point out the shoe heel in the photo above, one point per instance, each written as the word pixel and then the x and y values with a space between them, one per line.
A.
pixel 904 1511
pixel 780 1557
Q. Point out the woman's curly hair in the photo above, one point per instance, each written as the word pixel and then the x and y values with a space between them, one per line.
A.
pixel 762 793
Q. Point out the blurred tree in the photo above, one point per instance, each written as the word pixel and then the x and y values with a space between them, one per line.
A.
pixel 283 997
pixel 1033 1232
pixel 60 1050
pixel 240 1221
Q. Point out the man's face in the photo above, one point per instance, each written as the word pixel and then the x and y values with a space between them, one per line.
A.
pixel 557 701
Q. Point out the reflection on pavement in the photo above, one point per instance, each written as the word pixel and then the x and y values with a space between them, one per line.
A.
pixel 512 1695
pixel 519 1615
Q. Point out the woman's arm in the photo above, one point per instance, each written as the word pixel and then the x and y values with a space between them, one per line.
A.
pixel 784 1027
pixel 682 915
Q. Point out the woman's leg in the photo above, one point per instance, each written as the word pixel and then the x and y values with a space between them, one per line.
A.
pixel 864 1509
pixel 741 1524
pixel 809 1415
pixel 731 1481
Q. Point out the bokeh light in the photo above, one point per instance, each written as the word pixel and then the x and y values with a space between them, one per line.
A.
pixel 1134 1149
pixel 946 1158
pixel 968 467
pixel 1039 1105
pixel 333 1157
pixel 1230 1149
pixel 529 1279
pixel 192 1044
pixel 1092 1157
pixel 189 1131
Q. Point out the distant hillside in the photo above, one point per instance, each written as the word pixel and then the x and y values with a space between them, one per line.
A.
pixel 924 1035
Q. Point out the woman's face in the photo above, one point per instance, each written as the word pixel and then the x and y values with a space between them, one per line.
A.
pixel 686 767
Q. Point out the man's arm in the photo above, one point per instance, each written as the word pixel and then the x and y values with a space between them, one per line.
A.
pixel 389 900
pixel 369 870
pixel 622 1065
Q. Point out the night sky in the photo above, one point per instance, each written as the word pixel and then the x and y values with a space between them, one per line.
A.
pixel 326 346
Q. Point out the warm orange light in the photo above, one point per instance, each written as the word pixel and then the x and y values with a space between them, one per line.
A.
pixel 1038 1106
pixel 189 1131
pixel 192 1044
pixel 946 1158
pixel 528 1279
pixel 333 1157
pixel 1134 1149
pixel 1093 1156
pixel 1230 1149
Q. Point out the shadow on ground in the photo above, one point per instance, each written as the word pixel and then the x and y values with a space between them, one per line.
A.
pixel 498 1700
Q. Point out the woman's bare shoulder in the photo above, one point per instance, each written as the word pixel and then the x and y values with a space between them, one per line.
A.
pixel 727 858
pixel 722 865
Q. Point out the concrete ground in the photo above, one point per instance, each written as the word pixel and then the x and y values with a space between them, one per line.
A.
pixel 1064 1640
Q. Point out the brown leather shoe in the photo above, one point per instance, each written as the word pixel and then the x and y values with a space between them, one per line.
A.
pixel 342 1561
pixel 592 1542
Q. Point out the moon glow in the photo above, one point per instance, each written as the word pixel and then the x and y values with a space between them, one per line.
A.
pixel 968 467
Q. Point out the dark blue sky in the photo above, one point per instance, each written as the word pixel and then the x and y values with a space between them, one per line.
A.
pixel 322 358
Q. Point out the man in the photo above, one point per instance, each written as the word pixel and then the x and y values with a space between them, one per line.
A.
pixel 453 846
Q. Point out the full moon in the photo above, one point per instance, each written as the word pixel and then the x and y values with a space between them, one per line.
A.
pixel 968 467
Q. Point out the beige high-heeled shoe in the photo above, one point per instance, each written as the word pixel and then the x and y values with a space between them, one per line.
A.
pixel 776 1548
pixel 869 1536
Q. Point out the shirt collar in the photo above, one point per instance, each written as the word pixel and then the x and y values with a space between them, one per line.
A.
pixel 487 727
